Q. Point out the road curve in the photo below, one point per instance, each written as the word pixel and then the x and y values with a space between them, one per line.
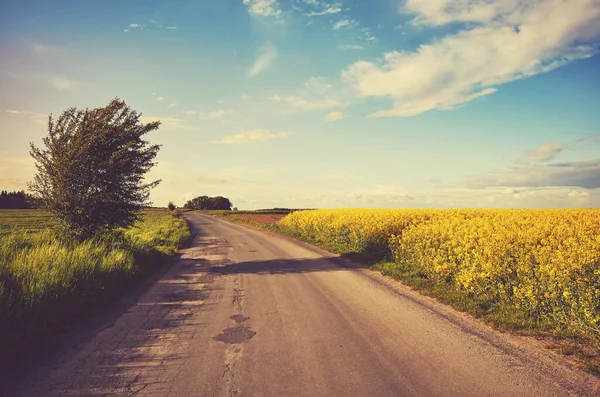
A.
pixel 248 313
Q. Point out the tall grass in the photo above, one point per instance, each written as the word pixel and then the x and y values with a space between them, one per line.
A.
pixel 46 281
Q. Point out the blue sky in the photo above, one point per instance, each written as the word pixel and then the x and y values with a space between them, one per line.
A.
pixel 310 103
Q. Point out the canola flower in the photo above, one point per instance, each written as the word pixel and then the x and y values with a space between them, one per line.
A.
pixel 545 263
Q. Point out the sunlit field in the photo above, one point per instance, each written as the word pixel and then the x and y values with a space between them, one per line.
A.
pixel 46 280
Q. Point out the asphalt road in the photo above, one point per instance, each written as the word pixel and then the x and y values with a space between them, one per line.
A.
pixel 248 313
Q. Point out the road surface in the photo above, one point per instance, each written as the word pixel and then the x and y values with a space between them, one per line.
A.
pixel 248 313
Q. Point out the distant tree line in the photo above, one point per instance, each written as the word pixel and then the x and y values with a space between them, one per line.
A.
pixel 17 200
pixel 209 203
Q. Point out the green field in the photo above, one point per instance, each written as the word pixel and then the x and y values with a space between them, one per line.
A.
pixel 46 282
pixel 24 220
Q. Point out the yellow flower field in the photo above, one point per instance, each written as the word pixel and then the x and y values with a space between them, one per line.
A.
pixel 545 263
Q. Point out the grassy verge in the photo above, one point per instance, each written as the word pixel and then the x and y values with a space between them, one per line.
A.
pixel 499 313
pixel 46 282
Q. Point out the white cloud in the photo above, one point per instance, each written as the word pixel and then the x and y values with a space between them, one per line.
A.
pixel 334 116
pixel 215 114
pixel 576 193
pixel 160 99
pixel 263 8
pixel 329 10
pixel 189 112
pixel 252 136
pixel 511 40
pixel 301 103
pixel 62 83
pixel 165 122
pixel 171 27
pixel 543 153
pixel 341 24
pixel 266 56
pixel 172 105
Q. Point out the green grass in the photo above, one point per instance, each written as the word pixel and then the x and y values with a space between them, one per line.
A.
pixel 12 221
pixel 46 282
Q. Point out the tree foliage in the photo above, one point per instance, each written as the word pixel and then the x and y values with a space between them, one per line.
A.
pixel 209 203
pixel 171 206
pixel 91 173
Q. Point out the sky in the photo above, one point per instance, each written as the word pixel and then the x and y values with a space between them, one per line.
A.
pixel 323 104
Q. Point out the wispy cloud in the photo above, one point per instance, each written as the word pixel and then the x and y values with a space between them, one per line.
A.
pixel 330 10
pixel 543 153
pixel 351 47
pixel 318 84
pixel 341 24
pixel 38 118
pixel 62 83
pixel 505 41
pixel 134 26
pixel 251 136
pixel 334 116
pixel 189 112
pixel 267 54
pixel 172 105
pixel 263 8
pixel 43 48
pixel 301 103
pixel 165 122
pixel 317 94
pixel 153 25
pixel 215 114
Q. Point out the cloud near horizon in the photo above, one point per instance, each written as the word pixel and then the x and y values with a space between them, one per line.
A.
pixel 584 174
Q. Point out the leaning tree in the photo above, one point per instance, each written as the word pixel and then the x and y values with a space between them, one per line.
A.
pixel 90 174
